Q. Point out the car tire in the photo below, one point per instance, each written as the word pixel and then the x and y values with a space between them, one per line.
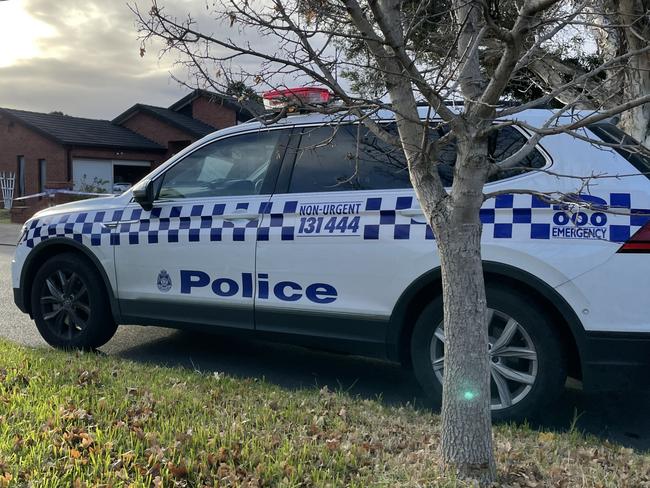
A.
pixel 535 339
pixel 70 305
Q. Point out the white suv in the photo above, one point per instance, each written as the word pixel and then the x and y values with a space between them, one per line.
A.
pixel 308 231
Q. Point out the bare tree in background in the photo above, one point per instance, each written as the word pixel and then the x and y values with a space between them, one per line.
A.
pixel 302 40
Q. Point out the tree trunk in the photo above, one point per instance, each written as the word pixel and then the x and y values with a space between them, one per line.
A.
pixel 466 424
pixel 466 445
pixel 636 122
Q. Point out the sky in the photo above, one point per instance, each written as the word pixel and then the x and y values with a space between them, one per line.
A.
pixel 81 57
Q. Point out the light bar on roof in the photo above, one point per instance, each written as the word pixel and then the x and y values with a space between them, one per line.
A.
pixel 279 99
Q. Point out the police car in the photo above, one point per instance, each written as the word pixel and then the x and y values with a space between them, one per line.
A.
pixel 308 231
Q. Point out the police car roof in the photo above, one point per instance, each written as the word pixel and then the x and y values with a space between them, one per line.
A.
pixel 533 117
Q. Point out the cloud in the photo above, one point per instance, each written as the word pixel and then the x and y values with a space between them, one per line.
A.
pixel 90 64
pixel 45 85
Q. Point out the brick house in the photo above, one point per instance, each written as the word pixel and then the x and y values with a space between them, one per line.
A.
pixel 48 151
pixel 190 118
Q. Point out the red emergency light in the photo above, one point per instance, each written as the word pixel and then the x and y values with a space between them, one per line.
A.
pixel 278 99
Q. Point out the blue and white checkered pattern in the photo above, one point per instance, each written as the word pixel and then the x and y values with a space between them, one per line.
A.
pixel 84 227
pixel 186 223
pixel 508 216
pixel 385 221
pixel 170 224
pixel 622 230
pixel 504 217
pixel 271 219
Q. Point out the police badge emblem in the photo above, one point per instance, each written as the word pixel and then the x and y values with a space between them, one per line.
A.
pixel 164 281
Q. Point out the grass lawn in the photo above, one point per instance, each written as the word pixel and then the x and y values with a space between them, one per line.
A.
pixel 5 217
pixel 75 419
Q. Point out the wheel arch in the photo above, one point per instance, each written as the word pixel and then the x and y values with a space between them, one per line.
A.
pixel 53 247
pixel 429 285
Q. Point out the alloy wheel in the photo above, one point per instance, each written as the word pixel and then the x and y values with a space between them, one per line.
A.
pixel 513 359
pixel 65 304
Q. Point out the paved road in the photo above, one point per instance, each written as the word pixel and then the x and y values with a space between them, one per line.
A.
pixel 621 418
pixel 9 234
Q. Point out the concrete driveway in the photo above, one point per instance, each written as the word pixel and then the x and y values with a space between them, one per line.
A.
pixel 9 234
pixel 622 418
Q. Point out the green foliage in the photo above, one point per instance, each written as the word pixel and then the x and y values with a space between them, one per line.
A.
pixel 81 419
pixel 242 92
pixel 97 185
pixel 432 43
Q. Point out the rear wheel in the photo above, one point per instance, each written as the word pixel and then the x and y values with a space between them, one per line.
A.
pixel 527 367
pixel 69 304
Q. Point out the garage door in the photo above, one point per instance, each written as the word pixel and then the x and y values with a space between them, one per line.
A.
pixel 103 174
pixel 96 173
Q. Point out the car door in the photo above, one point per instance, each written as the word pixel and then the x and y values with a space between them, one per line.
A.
pixel 346 237
pixel 335 244
pixel 191 258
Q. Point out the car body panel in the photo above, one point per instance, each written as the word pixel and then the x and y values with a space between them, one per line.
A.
pixel 341 260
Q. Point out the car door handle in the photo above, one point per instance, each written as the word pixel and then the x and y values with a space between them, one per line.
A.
pixel 415 214
pixel 241 216
pixel 411 212
pixel 115 223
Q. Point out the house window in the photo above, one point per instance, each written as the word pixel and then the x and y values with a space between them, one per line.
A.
pixel 42 174
pixel 20 176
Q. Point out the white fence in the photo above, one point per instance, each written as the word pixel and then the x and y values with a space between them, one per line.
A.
pixel 7 183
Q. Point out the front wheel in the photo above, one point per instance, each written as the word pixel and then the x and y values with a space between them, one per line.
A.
pixel 69 304
pixel 527 367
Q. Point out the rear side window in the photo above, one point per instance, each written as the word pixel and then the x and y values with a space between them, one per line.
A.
pixel 503 143
pixel 351 157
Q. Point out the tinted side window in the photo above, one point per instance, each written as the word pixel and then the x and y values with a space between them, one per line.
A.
pixel 233 166
pixel 346 157
pixel 446 157
pixel 505 142
pixel 330 159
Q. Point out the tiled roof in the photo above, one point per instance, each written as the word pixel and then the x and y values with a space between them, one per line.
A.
pixel 187 124
pixel 245 110
pixel 77 131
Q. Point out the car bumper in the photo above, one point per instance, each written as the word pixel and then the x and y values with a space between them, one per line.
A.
pixel 18 300
pixel 616 361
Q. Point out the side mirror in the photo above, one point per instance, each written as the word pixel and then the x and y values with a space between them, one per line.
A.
pixel 143 194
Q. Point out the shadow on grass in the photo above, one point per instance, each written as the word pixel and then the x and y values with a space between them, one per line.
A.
pixel 619 417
